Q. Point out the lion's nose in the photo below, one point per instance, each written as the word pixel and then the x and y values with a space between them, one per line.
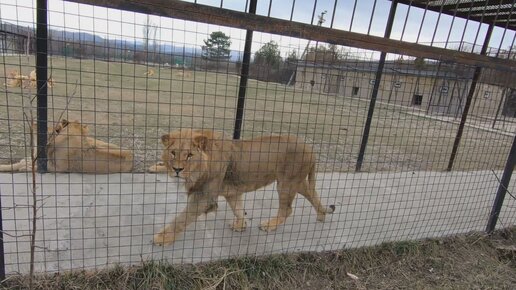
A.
pixel 177 170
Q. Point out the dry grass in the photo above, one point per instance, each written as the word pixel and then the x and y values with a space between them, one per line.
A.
pixel 463 262
pixel 128 108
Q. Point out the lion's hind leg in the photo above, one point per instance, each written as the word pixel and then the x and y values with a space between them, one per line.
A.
pixel 313 197
pixel 286 197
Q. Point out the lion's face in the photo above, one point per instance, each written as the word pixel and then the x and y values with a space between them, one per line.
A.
pixel 62 132
pixel 184 154
pixel 72 128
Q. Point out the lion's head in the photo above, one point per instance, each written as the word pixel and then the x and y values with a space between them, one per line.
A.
pixel 66 134
pixel 71 128
pixel 187 152
pixel 196 155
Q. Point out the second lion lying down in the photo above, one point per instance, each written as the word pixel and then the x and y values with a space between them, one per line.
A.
pixel 71 149
pixel 214 166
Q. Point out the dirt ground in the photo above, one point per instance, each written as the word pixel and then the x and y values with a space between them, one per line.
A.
pixel 125 107
pixel 473 261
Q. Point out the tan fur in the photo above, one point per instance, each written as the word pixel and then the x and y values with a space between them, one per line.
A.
pixel 33 80
pixel 15 79
pixel 158 168
pixel 184 73
pixel 149 72
pixel 214 166
pixel 70 149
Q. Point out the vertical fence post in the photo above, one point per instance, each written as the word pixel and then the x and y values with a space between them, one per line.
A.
pixel 376 87
pixel 469 98
pixel 2 253
pixel 502 188
pixel 41 75
pixel 244 76
pixel 504 94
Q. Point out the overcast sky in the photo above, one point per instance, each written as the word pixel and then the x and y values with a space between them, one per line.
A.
pixel 115 24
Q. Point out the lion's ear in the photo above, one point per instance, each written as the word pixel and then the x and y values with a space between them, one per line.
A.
pixel 201 142
pixel 167 140
pixel 85 129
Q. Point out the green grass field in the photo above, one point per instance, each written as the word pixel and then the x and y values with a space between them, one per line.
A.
pixel 123 106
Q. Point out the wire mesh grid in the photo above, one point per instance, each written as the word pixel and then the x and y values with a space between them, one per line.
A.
pixel 122 80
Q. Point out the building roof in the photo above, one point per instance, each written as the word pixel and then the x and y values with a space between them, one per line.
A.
pixel 497 12
pixel 8 28
pixel 391 67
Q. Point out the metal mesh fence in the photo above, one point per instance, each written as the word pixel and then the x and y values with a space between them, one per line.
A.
pixel 405 147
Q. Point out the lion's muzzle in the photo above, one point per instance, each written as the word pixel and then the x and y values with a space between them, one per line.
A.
pixel 177 170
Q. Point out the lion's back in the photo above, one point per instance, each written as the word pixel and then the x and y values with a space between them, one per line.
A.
pixel 265 159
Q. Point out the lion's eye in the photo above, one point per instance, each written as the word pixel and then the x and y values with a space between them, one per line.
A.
pixel 173 153
pixel 189 156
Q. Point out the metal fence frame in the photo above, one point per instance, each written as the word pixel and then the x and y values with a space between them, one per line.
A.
pixel 252 22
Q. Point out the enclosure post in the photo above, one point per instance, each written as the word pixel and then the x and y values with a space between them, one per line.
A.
pixel 41 76
pixel 244 75
pixel 469 98
pixel 2 253
pixel 502 188
pixel 504 92
pixel 376 87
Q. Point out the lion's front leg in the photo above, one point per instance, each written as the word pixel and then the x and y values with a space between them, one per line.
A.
pixel 197 204
pixel 237 205
pixel 165 236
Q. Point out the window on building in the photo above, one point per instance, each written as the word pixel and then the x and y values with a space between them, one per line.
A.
pixel 355 91
pixel 417 100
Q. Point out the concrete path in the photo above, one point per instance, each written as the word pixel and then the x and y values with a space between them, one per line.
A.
pixel 88 221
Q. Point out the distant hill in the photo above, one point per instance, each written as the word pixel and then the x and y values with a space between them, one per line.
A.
pixel 79 36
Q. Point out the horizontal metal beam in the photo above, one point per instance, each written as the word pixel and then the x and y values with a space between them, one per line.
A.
pixel 242 20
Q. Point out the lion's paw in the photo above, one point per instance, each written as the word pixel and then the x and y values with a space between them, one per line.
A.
pixel 321 217
pixel 157 168
pixel 163 239
pixel 239 225
pixel 268 226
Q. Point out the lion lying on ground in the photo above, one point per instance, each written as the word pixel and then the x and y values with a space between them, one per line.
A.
pixel 15 79
pixel 185 73
pixel 214 166
pixel 70 149
pixel 33 80
pixel 149 72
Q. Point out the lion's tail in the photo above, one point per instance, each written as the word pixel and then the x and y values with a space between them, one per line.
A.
pixel 311 185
